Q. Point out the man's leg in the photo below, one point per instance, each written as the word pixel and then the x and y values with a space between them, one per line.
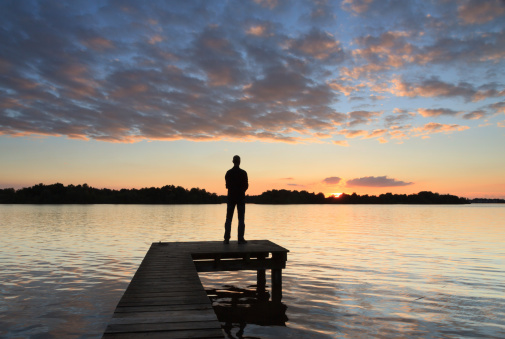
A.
pixel 229 217
pixel 241 217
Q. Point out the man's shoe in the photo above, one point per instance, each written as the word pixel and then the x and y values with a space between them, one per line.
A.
pixel 242 241
pixel 226 241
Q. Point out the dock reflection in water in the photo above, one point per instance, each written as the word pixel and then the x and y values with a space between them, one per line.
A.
pixel 238 307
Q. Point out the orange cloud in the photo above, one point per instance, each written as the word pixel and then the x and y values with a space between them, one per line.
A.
pixel 390 49
pixel 376 133
pixel 474 115
pixel 353 134
pixel 436 88
pixel 347 90
pixel 437 112
pixel 258 30
pixel 341 143
pixel 434 127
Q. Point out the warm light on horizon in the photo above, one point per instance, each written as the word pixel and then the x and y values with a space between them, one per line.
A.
pixel 345 101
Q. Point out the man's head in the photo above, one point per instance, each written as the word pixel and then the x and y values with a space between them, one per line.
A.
pixel 236 160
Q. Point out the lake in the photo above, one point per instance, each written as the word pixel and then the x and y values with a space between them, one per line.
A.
pixel 353 271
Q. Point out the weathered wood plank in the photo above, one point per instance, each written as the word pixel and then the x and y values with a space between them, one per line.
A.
pixel 169 316
pixel 163 317
pixel 189 334
pixel 166 299
pixel 127 309
pixel 171 293
pixel 238 265
pixel 155 287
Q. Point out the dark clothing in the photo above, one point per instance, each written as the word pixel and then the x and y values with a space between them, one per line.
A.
pixel 229 217
pixel 237 183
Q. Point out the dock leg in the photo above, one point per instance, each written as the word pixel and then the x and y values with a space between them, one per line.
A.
pixel 276 284
pixel 261 284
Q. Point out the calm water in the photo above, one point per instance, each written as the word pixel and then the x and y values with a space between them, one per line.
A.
pixel 353 271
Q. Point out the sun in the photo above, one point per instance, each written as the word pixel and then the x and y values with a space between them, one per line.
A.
pixel 336 195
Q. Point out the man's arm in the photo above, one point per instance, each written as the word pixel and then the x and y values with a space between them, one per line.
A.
pixel 246 186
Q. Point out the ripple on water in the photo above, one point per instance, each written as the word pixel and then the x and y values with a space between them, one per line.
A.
pixel 352 271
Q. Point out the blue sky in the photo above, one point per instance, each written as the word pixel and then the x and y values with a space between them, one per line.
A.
pixel 381 96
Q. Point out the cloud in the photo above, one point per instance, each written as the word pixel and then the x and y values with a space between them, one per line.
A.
pixel 353 133
pixel 97 43
pixel 498 107
pixel 317 44
pixel 472 49
pixel 271 4
pixel 258 30
pixel 501 123
pixel 399 116
pixel 376 133
pixel 71 78
pixel 332 180
pixel 296 185
pixel 398 133
pixel 361 117
pixel 264 70
pixel 383 181
pixel 323 11
pixel 358 6
pixel 433 87
pixel 346 89
pixel 341 143
pixel 481 11
pixel 474 115
pixel 434 127
pixel 392 50
pixel 425 112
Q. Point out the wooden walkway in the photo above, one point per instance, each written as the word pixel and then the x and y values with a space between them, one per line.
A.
pixel 166 298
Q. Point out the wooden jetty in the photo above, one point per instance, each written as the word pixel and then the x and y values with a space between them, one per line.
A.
pixel 166 299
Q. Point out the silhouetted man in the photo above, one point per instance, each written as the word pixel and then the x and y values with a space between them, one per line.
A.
pixel 236 183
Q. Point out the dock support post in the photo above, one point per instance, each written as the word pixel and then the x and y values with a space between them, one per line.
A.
pixel 276 284
pixel 261 284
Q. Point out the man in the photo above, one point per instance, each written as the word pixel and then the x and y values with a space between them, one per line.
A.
pixel 236 183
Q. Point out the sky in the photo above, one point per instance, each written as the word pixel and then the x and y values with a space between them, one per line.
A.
pixel 325 96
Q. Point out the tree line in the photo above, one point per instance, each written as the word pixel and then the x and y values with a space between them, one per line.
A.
pixel 84 194
pixel 304 197
pixel 169 194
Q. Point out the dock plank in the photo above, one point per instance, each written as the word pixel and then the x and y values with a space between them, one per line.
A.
pixel 166 299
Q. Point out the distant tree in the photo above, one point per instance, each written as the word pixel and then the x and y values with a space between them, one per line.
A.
pixel 169 194
pixel 84 194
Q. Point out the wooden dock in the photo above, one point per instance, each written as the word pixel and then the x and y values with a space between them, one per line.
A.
pixel 166 299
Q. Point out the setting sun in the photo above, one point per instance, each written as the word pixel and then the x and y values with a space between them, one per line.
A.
pixel 336 195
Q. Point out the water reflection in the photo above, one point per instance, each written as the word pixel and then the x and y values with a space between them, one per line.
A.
pixel 352 271
pixel 238 307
